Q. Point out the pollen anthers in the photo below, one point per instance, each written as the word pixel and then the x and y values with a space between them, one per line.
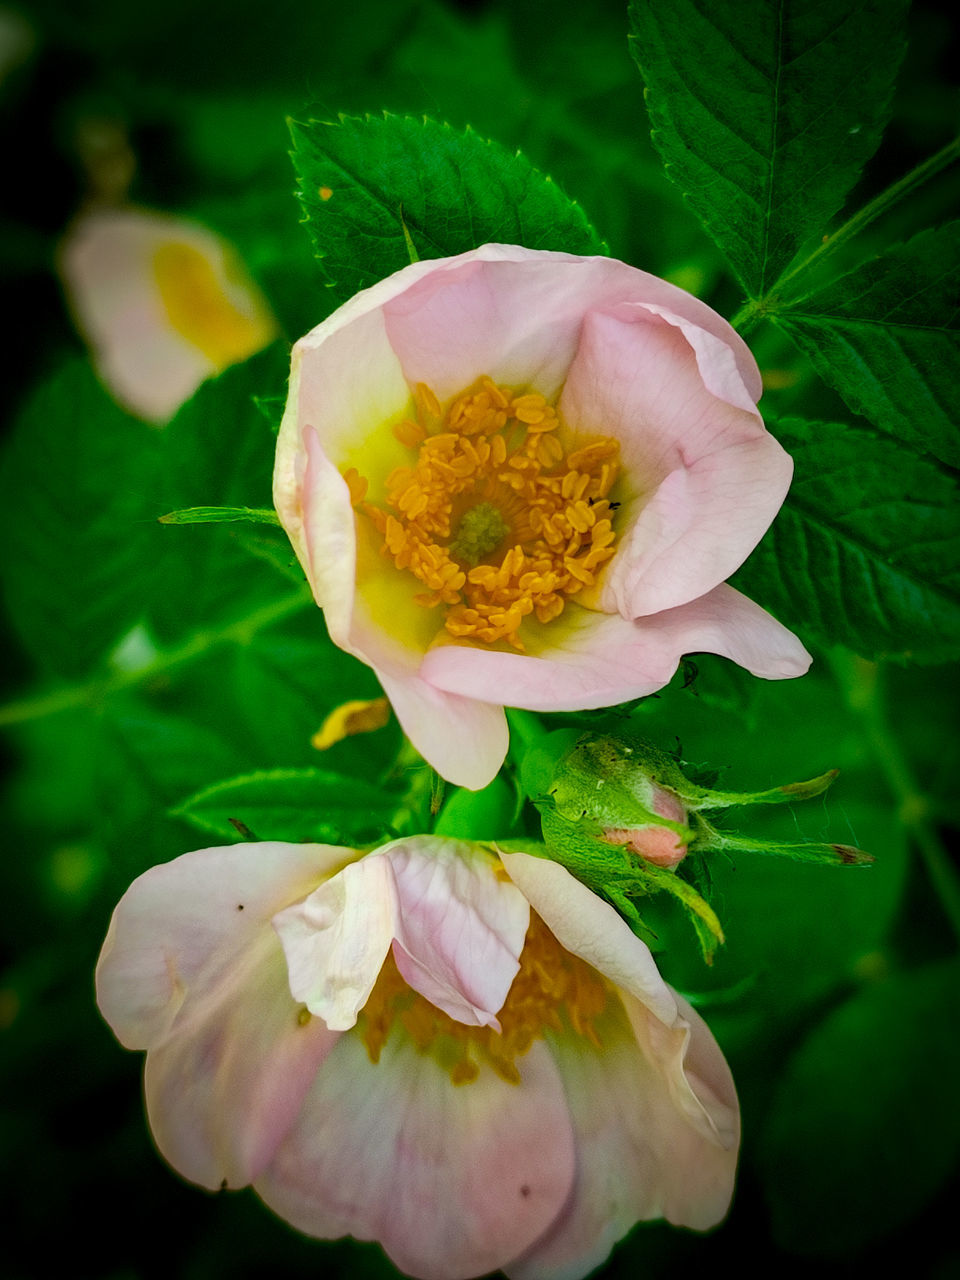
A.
pixel 493 517
pixel 554 990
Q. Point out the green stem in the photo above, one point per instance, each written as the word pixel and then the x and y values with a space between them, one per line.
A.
pixel 753 311
pixel 861 682
pixel 95 691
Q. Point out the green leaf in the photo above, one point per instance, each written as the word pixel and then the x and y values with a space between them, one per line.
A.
pixel 293 804
pixel 218 451
pixel 220 515
pixel 764 112
pixel 863 1128
pixel 887 337
pixel 865 550
pixel 379 192
pixel 78 472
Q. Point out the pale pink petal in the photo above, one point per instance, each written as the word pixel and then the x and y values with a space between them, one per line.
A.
pixel 638 1157
pixel 452 1180
pixel 179 935
pixel 465 740
pixel 693 1068
pixel 337 939
pixel 221 1096
pixel 703 479
pixel 516 314
pixel 591 659
pixel 460 927
pixel 590 928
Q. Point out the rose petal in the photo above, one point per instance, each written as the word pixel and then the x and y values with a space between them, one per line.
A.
pixel 515 314
pixel 707 479
pixel 461 928
pixel 452 1180
pixel 465 740
pixel 337 939
pixel 596 660
pixel 638 1158
pixel 693 1068
pixel 590 928
pixel 179 936
pixel 222 1095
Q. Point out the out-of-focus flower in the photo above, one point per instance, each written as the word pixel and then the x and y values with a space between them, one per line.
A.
pixel 163 303
pixel 462 1054
pixel 520 478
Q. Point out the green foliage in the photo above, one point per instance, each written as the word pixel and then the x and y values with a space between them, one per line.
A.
pixel 865 550
pixel 875 1079
pixel 760 117
pixel 172 659
pixel 217 451
pixel 886 337
pixel 78 475
pixel 378 193
pixel 293 804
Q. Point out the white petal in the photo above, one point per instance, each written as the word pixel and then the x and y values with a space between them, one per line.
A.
pixel 336 940
pixel 452 1180
pixel 180 935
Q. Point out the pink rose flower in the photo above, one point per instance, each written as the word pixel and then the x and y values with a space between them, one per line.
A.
pixel 163 303
pixel 520 478
pixel 464 1055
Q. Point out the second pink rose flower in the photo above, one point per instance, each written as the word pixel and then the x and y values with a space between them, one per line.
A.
pixel 520 478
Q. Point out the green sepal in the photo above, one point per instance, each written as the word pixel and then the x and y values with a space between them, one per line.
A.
pixel 836 855
pixel 620 877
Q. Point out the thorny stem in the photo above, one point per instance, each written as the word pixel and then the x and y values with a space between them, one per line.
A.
pixel 862 684
pixel 753 311
pixel 95 691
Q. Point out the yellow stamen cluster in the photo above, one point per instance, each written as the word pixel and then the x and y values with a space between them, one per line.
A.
pixel 493 517
pixel 553 990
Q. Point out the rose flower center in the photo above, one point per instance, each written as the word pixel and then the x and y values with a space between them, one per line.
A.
pixel 554 990
pixel 494 517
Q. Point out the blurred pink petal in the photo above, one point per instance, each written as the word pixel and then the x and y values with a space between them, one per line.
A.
pixel 163 303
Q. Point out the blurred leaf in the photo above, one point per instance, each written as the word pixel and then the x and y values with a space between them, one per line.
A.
pixel 146 758
pixel 283 685
pixel 78 475
pixel 293 804
pixel 374 189
pixel 886 336
pixel 764 113
pixel 218 451
pixel 864 1126
pixel 865 550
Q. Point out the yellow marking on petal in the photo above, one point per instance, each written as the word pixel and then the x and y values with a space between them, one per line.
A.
pixel 553 991
pixel 492 516
pixel 356 716
pixel 199 308
pixel 325 193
